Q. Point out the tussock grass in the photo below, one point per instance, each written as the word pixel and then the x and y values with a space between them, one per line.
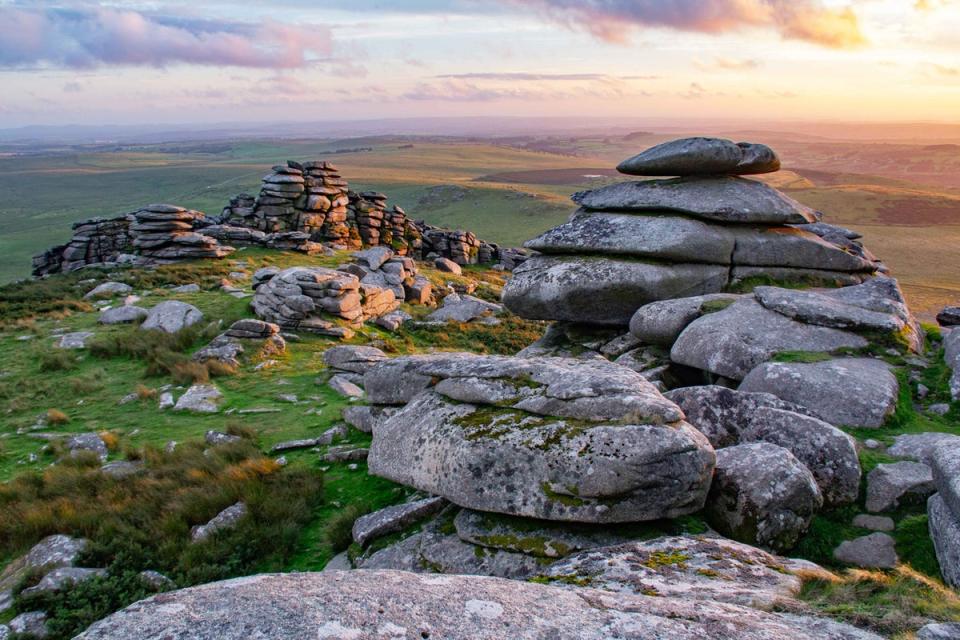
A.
pixel 890 603
pixel 339 529
pixel 57 360
pixel 56 417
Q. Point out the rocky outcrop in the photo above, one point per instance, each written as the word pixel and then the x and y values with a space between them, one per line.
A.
pixel 634 243
pixel 320 300
pixel 304 207
pixel 943 510
pixel 370 604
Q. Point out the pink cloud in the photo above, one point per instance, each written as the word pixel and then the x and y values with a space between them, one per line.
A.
pixel 614 20
pixel 82 38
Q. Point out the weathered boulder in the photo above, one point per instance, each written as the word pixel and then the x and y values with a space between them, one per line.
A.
pixel 172 316
pixel 663 321
pixel 394 518
pixel 447 265
pixel 365 418
pixel 702 156
pixel 823 309
pixel 698 567
pixel 722 199
pixel 722 414
pixel 874 551
pixel 829 453
pixel 735 340
pixel 920 446
pixel 370 604
pixel 945 464
pixel 663 236
pixel 32 624
pixel 939 631
pixel 109 290
pixel 949 317
pixel 603 291
pixel 539 538
pixel 75 340
pixel 224 520
pixel 122 315
pixel 763 495
pixel 892 485
pixel 855 392
pixel 200 398
pixel 353 358
pixel 464 308
pixel 62 578
pixel 944 529
pixel 585 441
pixel 620 472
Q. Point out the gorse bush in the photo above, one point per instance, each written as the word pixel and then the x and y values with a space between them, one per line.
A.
pixel 143 521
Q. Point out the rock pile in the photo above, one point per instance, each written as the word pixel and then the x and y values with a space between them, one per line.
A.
pixel 705 232
pixel 97 241
pixel 320 300
pixel 165 233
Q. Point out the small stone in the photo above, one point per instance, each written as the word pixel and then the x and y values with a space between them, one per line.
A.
pixel 870 443
pixel 226 519
pixel 166 400
pixel 447 265
pixel 200 398
pixel 76 340
pixel 32 624
pixel 186 288
pixel 940 409
pixel 342 385
pixel 109 290
pixel 218 437
pixel 157 581
pixel 345 453
pixel 874 523
pixel 875 551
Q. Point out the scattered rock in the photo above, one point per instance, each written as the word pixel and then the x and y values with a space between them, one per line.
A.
pixel 172 316
pixel 854 392
pixel 215 438
pixel 353 358
pixel 122 468
pixel 346 453
pixel 92 442
pixel 365 418
pixel 464 308
pixel 875 551
pixel 32 624
pixel 393 519
pixel 109 290
pixel 157 581
pixel 874 523
pixel 187 288
pixel 200 398
pixel 77 340
pixel 226 519
pixel 166 401
pixel 123 315
pixel 449 266
pixel 949 317
pixel 345 387
pixel 761 494
pixel 61 578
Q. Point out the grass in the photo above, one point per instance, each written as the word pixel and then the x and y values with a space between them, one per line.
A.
pixel 893 603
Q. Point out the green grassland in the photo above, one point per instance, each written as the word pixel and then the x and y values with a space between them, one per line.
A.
pixel 905 199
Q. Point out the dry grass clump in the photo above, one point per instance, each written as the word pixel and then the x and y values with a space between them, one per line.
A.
pixel 889 602
pixel 56 417
pixel 146 393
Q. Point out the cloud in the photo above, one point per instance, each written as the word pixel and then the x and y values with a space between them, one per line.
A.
pixel 944 70
pixel 726 64
pixel 614 20
pixel 85 38
pixel 453 89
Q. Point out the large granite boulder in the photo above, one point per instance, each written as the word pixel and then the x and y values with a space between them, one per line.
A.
pixel 722 199
pixel 762 495
pixel 854 392
pixel 397 604
pixel 735 340
pixel 702 156
pixel 944 528
pixel 581 441
pixel 603 291
pixel 663 321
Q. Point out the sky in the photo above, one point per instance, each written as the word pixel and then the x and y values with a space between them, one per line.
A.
pixel 215 61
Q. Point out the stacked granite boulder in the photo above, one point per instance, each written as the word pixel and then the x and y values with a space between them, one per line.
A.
pixel 705 232
pixel 320 300
pixel 381 267
pixel 97 241
pixel 229 346
pixel 165 233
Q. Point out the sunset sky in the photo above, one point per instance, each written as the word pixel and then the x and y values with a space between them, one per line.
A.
pixel 131 62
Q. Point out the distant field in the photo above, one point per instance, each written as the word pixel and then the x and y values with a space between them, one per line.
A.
pixel 905 199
